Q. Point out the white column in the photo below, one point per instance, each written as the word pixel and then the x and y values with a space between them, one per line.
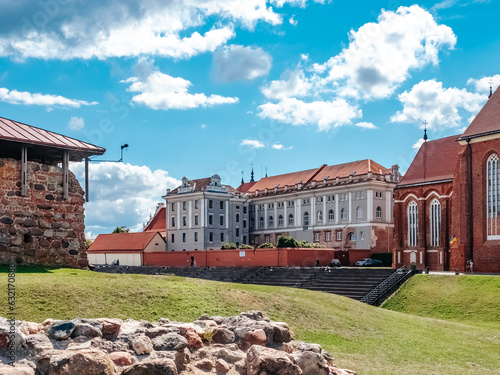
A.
pixel 298 212
pixel 256 216
pixel 350 208
pixel 337 212
pixel 388 206
pixel 190 214
pixel 285 215
pixel 369 205
pixel 265 216
pixel 203 213
pixel 227 214
pixel 325 214
pixel 178 219
pixel 275 221
pixel 312 215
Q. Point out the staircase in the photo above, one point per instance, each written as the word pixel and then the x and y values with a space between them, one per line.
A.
pixel 382 291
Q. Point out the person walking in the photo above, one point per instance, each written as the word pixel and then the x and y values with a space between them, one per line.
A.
pixel 471 267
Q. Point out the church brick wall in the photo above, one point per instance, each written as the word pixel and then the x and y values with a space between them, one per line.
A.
pixel 41 227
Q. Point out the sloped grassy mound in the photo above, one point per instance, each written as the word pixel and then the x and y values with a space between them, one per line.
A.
pixel 366 339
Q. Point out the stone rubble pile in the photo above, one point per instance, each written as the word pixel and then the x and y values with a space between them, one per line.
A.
pixel 249 344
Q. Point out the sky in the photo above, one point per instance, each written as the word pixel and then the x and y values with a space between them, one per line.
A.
pixel 198 87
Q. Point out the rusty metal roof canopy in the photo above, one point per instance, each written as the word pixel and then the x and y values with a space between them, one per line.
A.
pixel 14 131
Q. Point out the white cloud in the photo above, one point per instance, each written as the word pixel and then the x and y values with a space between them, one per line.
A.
pixel 161 91
pixel 252 143
pixel 381 55
pixel 293 21
pixel 278 146
pixel 326 115
pixel 365 125
pixel 122 194
pixel 441 107
pixel 76 123
pixel 203 126
pixel 418 144
pixel 128 28
pixel 482 85
pixel 27 98
pixel 239 63
pixel 293 83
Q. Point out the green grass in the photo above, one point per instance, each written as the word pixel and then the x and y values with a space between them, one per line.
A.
pixel 363 338
pixel 473 300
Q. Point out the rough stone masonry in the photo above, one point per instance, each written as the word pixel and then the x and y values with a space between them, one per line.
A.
pixel 41 227
pixel 247 344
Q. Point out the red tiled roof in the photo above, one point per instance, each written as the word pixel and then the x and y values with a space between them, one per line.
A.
pixel 122 241
pixel 487 120
pixel 18 132
pixel 316 174
pixel 244 187
pixel 435 161
pixel 158 223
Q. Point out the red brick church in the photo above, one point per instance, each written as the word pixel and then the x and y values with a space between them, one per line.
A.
pixel 446 208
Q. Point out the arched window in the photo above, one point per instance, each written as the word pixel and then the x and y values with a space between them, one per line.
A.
pixel 492 197
pixel 320 216
pixel 351 237
pixel 343 214
pixel 331 215
pixel 378 212
pixel 261 222
pixel 306 219
pixel 270 221
pixel 359 213
pixel 290 219
pixel 435 222
pixel 280 220
pixel 412 224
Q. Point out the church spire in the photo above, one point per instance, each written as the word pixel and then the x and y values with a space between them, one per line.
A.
pixel 425 131
pixel 251 175
pixel 491 89
pixel 242 181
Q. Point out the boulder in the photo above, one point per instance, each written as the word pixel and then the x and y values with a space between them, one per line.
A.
pixel 86 330
pixel 152 367
pixel 204 364
pixel 121 358
pixel 170 341
pixel 311 363
pixel 29 328
pixel 193 338
pixel 110 327
pixel 222 367
pixel 282 333
pixel 142 345
pixel 159 331
pixel 262 361
pixel 222 335
pixel 61 331
pixel 21 370
pixel 256 337
pixel 71 362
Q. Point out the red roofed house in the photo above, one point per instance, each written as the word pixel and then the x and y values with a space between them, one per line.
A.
pixel 41 206
pixel 446 207
pixel 158 221
pixel 126 248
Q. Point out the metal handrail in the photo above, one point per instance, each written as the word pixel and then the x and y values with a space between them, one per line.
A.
pixel 254 275
pixel 382 290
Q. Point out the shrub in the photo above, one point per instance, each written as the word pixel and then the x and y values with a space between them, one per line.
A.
pixel 304 244
pixel 285 241
pixel 266 245
pixel 315 245
pixel 226 246
pixel 245 246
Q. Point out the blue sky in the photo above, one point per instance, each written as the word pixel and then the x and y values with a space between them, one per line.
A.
pixel 208 86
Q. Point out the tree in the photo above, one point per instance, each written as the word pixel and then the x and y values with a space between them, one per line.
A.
pixel 122 229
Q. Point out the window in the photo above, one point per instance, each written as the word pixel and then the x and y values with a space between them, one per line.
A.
pixel 184 221
pixel 195 219
pixel 261 222
pixel 222 237
pixel 173 221
pixel 268 239
pixel 270 221
pixel 196 204
pixel 244 223
pixel 172 238
pixel 492 197
pixel 378 212
pixel 244 239
pixel 306 220
pixel 244 210
pixel 237 232
pixel 328 236
pixel 173 206
pixel 237 218
pixel 333 198
pixel 183 237
pixel 210 219
pixel 331 215
pixel 435 222
pixel 343 214
pixel 351 237
pixel 290 219
pixel 316 237
pixel 339 236
pixel 252 222
pixel 211 237
pixel 320 216
pixel 184 205
pixel 221 205
pixel 221 219
pixel 361 236
pixel 359 213
pixel 412 224
pixel 280 220
pixel 195 236
pixel 210 203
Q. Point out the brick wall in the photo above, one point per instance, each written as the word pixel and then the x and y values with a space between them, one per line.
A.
pixel 41 227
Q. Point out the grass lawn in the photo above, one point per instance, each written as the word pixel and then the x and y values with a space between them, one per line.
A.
pixel 473 300
pixel 363 338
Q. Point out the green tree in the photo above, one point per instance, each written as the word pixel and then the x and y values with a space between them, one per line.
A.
pixel 122 229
